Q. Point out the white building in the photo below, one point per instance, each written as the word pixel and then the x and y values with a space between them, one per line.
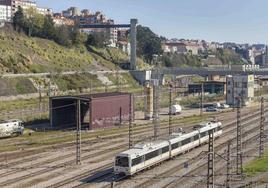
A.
pixel 239 86
pixel 44 11
pixel 10 7
pixel 265 57
pixel 5 13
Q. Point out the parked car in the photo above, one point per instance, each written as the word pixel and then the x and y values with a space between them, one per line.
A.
pixel 217 105
pixel 224 106
pixel 211 109
pixel 176 109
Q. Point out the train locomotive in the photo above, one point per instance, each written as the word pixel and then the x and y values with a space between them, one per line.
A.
pixel 145 155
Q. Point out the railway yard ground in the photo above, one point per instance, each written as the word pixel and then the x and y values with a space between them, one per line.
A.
pixel 48 159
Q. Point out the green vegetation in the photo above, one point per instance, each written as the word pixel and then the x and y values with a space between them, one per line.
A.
pixel 228 56
pixel 15 86
pixel 257 166
pixel 181 60
pixel 49 138
pixel 77 81
pixel 148 43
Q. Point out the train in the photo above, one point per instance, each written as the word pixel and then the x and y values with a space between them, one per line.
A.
pixel 10 128
pixel 147 154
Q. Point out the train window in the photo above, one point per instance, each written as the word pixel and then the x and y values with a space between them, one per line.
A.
pixel 165 149
pixel 121 161
pixel 186 141
pixel 136 161
pixel 174 146
pixel 151 155
pixel 203 134
pixel 196 137
pixel 219 128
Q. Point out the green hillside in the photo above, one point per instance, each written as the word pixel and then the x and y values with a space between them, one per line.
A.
pixel 22 54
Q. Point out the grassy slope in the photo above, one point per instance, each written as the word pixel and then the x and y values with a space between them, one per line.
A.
pixel 21 54
pixel 257 166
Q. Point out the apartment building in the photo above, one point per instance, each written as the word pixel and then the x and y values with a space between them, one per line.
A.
pixel 240 86
pixel 9 7
pixel 181 47
pixel 5 13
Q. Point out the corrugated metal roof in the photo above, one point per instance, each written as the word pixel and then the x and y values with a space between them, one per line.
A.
pixel 90 96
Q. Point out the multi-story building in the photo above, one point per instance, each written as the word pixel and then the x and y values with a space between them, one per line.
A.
pixel 181 47
pixel 60 20
pixel 11 6
pixel 265 57
pixel 71 12
pixel 240 86
pixel 5 13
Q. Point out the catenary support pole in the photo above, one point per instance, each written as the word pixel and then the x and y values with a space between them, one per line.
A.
pixel 239 161
pixel 261 149
pixel 170 111
pixel 228 166
pixel 210 175
pixel 78 133
pixel 130 131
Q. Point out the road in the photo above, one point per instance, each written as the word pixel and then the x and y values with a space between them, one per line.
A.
pixel 61 73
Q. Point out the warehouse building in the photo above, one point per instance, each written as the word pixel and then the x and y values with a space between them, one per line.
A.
pixel 211 87
pixel 97 110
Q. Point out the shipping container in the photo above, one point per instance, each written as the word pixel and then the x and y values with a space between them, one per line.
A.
pixel 97 110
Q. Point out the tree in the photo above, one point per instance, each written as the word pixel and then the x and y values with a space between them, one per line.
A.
pixel 49 30
pixel 34 22
pixel 19 20
pixel 98 39
pixel 148 43
pixel 62 36
pixel 78 37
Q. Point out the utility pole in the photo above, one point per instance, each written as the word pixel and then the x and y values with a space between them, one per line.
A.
pixel 210 175
pixel 261 149
pixel 228 175
pixel 90 84
pixel 170 111
pixel 239 163
pixel 78 132
pixel 233 94
pixel 40 97
pixel 202 99
pixel 130 131
pixel 156 99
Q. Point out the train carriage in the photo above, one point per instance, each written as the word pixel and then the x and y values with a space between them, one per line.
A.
pixel 145 155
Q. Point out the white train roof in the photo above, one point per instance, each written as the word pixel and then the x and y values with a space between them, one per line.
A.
pixel 145 147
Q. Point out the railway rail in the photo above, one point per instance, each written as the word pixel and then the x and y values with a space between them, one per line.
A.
pixel 195 159
pixel 99 153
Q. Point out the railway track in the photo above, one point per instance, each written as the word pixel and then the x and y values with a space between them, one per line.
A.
pixel 94 170
pixel 227 126
pixel 169 172
pixel 122 131
pixel 64 164
pixel 198 170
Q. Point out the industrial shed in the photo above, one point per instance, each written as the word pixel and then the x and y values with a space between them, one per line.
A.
pixel 97 110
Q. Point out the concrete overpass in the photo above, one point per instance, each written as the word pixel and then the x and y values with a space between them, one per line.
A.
pixel 210 71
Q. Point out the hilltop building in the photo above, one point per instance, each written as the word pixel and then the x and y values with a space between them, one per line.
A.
pixel 9 7
pixel 181 47
pixel 5 11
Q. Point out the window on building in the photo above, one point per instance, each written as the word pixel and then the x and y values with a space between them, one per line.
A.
pixel 229 83
pixel 229 92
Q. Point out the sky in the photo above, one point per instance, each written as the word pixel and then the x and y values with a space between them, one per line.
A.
pixel 241 21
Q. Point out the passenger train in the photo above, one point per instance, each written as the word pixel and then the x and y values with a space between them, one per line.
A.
pixel 145 155
pixel 11 127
